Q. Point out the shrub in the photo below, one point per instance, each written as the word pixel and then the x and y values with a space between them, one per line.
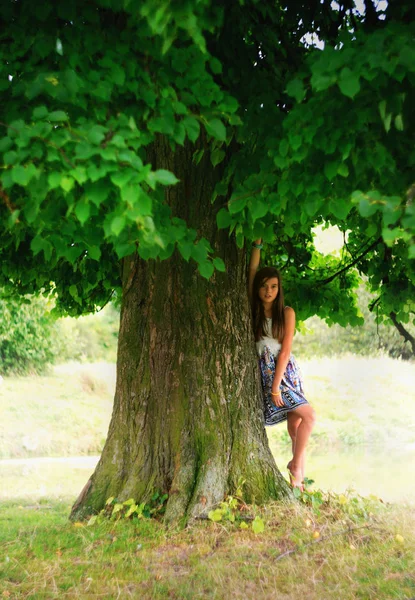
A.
pixel 29 338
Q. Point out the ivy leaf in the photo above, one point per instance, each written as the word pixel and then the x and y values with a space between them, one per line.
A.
pixel 348 82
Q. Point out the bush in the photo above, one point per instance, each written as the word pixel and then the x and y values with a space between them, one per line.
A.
pixel 29 338
pixel 90 338
pixel 369 339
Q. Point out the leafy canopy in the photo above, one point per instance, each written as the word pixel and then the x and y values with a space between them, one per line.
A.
pixel 308 136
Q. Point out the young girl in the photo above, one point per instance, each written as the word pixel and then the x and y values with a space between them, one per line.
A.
pixel 282 387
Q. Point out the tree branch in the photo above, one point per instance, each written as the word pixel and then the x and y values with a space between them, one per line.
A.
pixel 347 267
pixel 6 199
pixel 404 333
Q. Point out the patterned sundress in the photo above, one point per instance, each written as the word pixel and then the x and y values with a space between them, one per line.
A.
pixel 291 387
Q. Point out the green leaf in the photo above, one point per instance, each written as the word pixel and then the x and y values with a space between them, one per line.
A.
pixel 197 156
pixel 57 115
pixel 295 88
pixel 258 208
pixel 223 219
pixel 98 192
pixel 122 177
pixel 399 122
pixel 215 65
pixel 96 134
pixel 20 175
pixel 219 264
pixel 343 170
pixel 79 174
pixel 348 82
pixel 237 204
pixel 5 143
pixel 340 208
pixel 216 129
pixel 117 225
pixel 40 112
pixel 192 127
pixel 94 252
pixel 258 525
pixel 82 211
pixel 331 169
pixel 217 156
pixel 215 515
pixel 206 269
pixel 10 157
pixel 186 249
pixel 165 177
pixel 67 183
pixel 124 249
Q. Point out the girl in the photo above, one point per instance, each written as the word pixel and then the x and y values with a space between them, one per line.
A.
pixel 282 387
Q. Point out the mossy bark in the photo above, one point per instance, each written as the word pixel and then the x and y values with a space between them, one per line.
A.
pixel 187 416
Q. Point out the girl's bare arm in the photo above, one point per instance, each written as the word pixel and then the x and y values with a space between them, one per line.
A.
pixel 284 354
pixel 253 266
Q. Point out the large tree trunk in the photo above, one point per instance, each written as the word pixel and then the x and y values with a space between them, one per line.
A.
pixel 187 416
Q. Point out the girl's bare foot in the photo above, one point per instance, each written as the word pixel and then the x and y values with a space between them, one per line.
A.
pixel 296 475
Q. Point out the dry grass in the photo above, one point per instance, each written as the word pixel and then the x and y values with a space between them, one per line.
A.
pixel 44 556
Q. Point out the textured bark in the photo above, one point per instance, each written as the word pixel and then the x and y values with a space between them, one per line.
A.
pixel 187 416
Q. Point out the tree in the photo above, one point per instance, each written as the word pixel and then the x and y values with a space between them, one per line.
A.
pixel 142 144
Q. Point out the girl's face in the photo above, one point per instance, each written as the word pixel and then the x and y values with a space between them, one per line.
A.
pixel 269 290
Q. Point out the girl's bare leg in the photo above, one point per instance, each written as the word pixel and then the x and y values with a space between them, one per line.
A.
pixel 293 421
pixel 304 429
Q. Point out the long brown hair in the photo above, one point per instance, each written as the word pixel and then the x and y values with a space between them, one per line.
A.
pixel 258 313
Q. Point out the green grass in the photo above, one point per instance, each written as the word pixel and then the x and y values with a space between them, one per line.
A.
pixel 355 556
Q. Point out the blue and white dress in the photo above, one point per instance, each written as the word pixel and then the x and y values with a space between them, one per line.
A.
pixel 291 387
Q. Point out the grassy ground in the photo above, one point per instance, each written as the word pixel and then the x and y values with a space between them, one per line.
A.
pixel 353 549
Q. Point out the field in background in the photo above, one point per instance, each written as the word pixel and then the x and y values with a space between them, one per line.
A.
pixel 364 437
pixel 359 402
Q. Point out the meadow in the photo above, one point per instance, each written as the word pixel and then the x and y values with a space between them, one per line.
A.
pixel 345 545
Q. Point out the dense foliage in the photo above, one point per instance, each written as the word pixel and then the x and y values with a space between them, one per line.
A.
pixel 29 339
pixel 308 135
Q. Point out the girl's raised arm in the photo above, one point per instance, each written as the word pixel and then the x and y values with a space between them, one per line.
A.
pixel 253 265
